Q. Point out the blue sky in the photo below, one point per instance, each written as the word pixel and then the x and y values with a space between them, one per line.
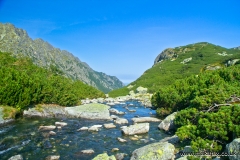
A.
pixel 123 37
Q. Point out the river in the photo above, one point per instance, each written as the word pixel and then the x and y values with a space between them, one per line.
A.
pixel 22 137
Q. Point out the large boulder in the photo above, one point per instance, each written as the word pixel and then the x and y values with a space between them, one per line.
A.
pixel 87 111
pixel 45 111
pixel 155 151
pixel 167 123
pixel 234 148
pixel 136 129
pixel 145 119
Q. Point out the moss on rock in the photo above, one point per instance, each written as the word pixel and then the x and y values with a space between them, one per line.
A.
pixel 154 151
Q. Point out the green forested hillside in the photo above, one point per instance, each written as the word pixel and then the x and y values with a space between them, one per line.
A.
pixel 208 107
pixel 22 84
pixel 204 56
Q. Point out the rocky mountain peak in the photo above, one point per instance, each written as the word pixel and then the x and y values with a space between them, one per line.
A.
pixel 168 53
pixel 17 41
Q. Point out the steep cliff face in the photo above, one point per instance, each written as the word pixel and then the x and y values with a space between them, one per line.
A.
pixel 17 41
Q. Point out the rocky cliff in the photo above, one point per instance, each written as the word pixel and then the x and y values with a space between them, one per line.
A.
pixel 17 41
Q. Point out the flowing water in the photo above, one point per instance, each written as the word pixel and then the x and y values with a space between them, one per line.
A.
pixel 22 137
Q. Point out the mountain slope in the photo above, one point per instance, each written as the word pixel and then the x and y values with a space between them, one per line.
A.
pixel 181 62
pixel 17 41
pixel 23 83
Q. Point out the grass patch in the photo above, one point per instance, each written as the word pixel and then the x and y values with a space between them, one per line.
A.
pixel 9 112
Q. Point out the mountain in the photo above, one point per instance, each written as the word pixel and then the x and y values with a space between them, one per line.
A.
pixel 180 62
pixel 17 41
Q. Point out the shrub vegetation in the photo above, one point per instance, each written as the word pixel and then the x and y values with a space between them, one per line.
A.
pixel 22 84
pixel 208 107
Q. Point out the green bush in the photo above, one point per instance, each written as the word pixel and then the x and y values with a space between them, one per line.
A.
pixel 22 84
pixel 207 115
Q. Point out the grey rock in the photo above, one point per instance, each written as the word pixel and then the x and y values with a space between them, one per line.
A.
pixel 234 148
pixel 174 139
pixel 120 156
pixel 97 125
pixel 212 67
pixel 46 128
pixel 83 129
pixel 232 62
pixel 46 111
pixel 145 119
pixel 115 149
pixel 132 110
pixel 166 54
pixel 113 110
pixel 136 129
pixel 17 157
pixel 93 128
pixel 167 123
pixel 121 140
pixel 155 151
pixel 62 124
pixel 87 111
pixel 109 125
pixel 87 151
pixel 186 60
pixel 121 121
pixel 52 157
pixel 52 133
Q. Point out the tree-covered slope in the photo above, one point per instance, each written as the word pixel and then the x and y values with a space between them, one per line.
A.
pixel 17 41
pixel 208 108
pixel 22 84
pixel 180 62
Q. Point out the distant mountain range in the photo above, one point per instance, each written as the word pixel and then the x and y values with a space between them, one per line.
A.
pixel 17 41
pixel 180 62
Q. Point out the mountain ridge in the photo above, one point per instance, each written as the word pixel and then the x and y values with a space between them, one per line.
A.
pixel 179 62
pixel 17 41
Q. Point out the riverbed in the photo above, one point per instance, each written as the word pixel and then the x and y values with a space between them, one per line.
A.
pixel 22 136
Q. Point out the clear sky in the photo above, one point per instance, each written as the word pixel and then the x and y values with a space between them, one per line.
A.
pixel 123 37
